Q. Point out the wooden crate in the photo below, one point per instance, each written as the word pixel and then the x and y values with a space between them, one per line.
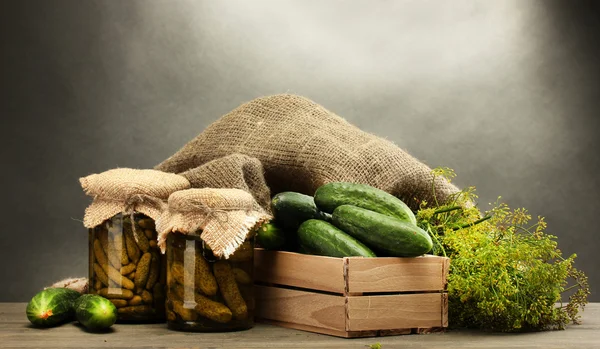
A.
pixel 352 296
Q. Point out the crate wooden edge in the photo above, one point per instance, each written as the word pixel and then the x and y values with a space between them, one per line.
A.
pixel 354 334
pixel 351 275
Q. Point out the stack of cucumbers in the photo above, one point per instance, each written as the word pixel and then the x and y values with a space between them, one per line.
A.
pixel 343 220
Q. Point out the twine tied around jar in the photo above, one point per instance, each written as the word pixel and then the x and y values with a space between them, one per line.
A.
pixel 138 199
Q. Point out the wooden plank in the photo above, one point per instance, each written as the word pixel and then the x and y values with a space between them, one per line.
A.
pixel 445 271
pixel 299 270
pixel 394 311
pixel 444 309
pixel 394 274
pixel 300 307
pixel 16 332
pixel 401 331
pixel 330 332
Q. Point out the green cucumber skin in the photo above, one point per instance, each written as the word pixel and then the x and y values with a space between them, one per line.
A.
pixel 270 237
pixel 59 300
pixel 385 235
pixel 291 209
pixel 331 195
pixel 95 312
pixel 321 238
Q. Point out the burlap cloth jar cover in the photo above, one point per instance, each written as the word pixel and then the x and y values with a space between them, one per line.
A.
pixel 125 190
pixel 223 218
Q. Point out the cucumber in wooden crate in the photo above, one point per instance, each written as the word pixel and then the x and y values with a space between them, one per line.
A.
pixel 270 237
pixel 331 195
pixel 322 238
pixel 291 209
pixel 384 234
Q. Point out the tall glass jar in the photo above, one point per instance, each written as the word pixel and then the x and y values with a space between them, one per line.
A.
pixel 205 293
pixel 127 268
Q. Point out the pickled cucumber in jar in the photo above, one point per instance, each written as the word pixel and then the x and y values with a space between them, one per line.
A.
pixel 206 293
pixel 127 269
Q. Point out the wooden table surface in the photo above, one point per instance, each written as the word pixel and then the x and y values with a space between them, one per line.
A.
pixel 16 332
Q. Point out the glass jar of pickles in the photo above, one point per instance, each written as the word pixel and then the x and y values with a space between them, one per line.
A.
pixel 206 293
pixel 208 235
pixel 126 267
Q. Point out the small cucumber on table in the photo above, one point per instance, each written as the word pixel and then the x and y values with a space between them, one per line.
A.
pixel 322 238
pixel 291 209
pixel 52 307
pixel 331 195
pixel 385 235
pixel 95 312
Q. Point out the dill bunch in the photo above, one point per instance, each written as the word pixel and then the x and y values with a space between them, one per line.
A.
pixel 506 274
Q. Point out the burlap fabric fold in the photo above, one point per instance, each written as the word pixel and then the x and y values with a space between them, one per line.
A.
pixel 302 146
pixel 76 284
pixel 125 190
pixel 235 171
pixel 223 218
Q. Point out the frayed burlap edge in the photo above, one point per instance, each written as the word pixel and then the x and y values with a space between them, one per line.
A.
pixel 100 210
pixel 222 228
pixel 127 190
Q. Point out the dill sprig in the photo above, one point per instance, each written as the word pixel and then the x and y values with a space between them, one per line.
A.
pixel 506 273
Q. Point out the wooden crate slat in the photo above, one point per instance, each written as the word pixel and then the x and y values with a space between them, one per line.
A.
pixel 299 270
pixel 394 311
pixel 337 333
pixel 300 307
pixel 444 310
pixel 388 274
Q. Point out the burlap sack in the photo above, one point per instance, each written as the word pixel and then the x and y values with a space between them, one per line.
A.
pixel 222 217
pixel 125 190
pixel 303 146
pixel 233 171
pixel 76 284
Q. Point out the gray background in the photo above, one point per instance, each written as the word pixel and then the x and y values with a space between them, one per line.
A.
pixel 505 92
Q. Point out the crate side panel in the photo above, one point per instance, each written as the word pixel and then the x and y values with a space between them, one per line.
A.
pixel 395 311
pixel 389 274
pixel 299 270
pixel 300 307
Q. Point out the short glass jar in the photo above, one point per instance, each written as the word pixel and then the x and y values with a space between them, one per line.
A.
pixel 206 293
pixel 127 268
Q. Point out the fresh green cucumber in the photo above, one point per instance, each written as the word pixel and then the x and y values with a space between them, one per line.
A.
pixel 331 195
pixel 270 237
pixel 52 307
pixel 322 238
pixel 384 234
pixel 291 209
pixel 95 312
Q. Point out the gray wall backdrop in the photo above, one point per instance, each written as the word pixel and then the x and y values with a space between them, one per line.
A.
pixel 504 92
